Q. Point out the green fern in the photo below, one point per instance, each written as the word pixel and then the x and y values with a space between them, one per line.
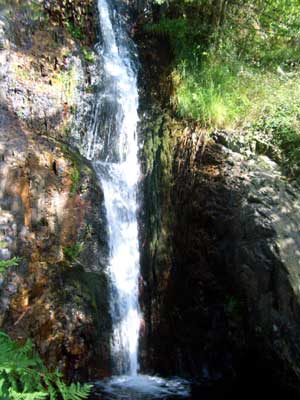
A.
pixel 23 376
pixel 74 392
pixel 13 262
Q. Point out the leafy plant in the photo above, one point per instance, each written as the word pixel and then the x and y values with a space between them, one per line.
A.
pixel 88 55
pixel 13 262
pixel 75 31
pixel 237 66
pixel 233 308
pixel 75 178
pixel 23 375
pixel 72 252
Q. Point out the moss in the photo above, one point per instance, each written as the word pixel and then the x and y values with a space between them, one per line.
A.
pixel 157 162
pixel 72 252
pixel 93 290
pixel 76 16
pixel 88 55
pixel 75 178
pixel 81 169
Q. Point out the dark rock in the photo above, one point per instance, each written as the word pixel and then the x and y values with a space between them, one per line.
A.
pixel 230 282
pixel 219 234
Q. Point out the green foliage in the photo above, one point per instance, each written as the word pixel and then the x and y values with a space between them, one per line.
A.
pixel 233 308
pixel 23 375
pixel 88 55
pixel 237 66
pixel 73 252
pixel 280 123
pixel 75 178
pixel 13 262
pixel 76 31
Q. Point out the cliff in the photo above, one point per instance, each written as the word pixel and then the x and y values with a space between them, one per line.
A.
pixel 219 247
pixel 51 205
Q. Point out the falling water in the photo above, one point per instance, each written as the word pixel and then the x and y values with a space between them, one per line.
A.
pixel 112 145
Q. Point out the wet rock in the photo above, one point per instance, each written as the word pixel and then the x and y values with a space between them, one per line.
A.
pixel 77 15
pixel 219 231
pixel 62 304
pixel 51 204
pixel 229 286
pixel 45 75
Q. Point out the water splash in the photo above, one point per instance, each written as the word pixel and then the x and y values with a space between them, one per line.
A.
pixel 142 387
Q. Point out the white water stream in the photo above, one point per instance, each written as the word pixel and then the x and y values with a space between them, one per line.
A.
pixel 111 144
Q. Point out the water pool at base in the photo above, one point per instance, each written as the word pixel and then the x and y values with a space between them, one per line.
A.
pixel 142 387
pixel 250 385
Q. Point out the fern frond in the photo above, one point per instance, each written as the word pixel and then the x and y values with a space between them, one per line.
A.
pixel 75 391
pixel 23 375
pixel 51 389
pixel 27 396
pixel 13 262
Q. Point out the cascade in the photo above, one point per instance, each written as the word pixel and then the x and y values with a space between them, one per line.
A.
pixel 111 144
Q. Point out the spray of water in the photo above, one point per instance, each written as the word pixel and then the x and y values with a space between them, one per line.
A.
pixel 112 145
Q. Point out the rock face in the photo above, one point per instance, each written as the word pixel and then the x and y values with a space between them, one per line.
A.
pixel 58 293
pixel 45 70
pixel 51 205
pixel 220 236
pixel 224 279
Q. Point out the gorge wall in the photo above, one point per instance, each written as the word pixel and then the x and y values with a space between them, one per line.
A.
pixel 219 248
pixel 51 204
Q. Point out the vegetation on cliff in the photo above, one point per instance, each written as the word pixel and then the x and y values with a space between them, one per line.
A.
pixel 23 375
pixel 237 67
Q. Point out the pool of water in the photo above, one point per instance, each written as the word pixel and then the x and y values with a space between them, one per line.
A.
pixel 142 387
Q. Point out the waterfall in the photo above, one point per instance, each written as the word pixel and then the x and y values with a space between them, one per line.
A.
pixel 111 144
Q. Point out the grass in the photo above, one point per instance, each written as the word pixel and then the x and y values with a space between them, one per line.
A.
pixel 226 93
pixel 242 73
pixel 67 81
